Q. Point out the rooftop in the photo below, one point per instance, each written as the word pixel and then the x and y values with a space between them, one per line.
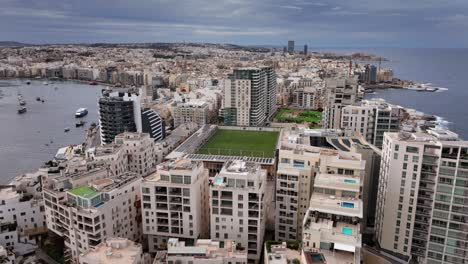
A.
pixel 84 192
pixel 115 251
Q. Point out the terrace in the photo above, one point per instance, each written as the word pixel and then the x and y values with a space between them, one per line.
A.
pixel 336 205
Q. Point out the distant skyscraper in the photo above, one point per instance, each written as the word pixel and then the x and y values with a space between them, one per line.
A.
pixel 250 96
pixel 370 75
pixel 285 49
pixel 291 46
pixel 305 49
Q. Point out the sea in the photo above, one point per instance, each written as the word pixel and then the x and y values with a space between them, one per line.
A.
pixel 444 68
pixel 30 139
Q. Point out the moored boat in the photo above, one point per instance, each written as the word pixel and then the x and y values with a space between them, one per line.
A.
pixel 81 112
pixel 22 110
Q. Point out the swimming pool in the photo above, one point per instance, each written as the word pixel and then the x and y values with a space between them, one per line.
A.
pixel 218 180
pixel 349 181
pixel 347 231
pixel 347 204
pixel 317 258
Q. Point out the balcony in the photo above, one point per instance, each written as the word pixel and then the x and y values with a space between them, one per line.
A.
pixel 332 231
pixel 336 205
pixel 339 182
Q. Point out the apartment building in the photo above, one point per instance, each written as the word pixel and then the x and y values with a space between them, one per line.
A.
pixel 153 124
pixel 294 179
pixel 421 202
pixel 130 151
pixel 118 112
pixel 238 206
pixel 338 93
pixel 175 203
pixel 22 218
pixel 85 208
pixel 371 119
pixel 114 251
pixel 332 222
pixel 250 96
pixel 192 111
pixel 307 98
pixel 203 251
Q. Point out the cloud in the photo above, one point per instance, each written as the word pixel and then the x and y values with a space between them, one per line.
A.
pixel 315 22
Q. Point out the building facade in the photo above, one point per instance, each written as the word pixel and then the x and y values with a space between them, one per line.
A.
pixel 371 119
pixel 422 194
pixel 250 96
pixel 118 113
pixel 192 111
pixel 238 209
pixel 338 93
pixel 175 203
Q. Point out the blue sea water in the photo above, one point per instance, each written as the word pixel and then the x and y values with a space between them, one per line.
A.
pixel 441 67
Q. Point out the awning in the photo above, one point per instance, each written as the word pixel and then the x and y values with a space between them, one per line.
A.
pixel 345 247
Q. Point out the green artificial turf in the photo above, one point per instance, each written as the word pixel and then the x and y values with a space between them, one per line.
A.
pixel 241 143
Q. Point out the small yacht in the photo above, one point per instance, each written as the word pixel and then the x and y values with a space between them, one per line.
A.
pixel 38 99
pixel 21 109
pixel 81 112
pixel 80 124
pixel 45 83
pixel 66 129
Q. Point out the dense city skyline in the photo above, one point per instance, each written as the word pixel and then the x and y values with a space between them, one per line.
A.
pixel 332 23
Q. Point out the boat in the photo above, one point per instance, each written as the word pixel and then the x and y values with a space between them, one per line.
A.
pixel 93 83
pixel 81 112
pixel 22 102
pixel 38 99
pixel 42 100
pixel 80 124
pixel 66 129
pixel 28 82
pixel 22 110
pixel 45 83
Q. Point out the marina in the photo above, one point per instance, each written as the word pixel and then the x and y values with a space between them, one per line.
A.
pixel 33 136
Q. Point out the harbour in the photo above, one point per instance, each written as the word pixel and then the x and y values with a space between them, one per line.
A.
pixel 29 139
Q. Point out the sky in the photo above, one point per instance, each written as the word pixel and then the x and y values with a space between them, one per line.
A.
pixel 318 23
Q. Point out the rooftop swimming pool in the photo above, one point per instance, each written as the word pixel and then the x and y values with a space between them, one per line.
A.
pixel 347 204
pixel 349 181
pixel 347 231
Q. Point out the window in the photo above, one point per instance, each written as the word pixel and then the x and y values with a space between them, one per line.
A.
pixel 412 149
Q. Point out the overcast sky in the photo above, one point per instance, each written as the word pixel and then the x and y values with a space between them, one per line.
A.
pixel 319 23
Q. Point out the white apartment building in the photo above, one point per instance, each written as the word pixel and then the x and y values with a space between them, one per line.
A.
pixel 192 111
pixel 175 203
pixel 85 208
pixel 131 151
pixel 114 251
pixel 22 218
pixel 332 223
pixel 238 209
pixel 294 178
pixel 203 251
pixel 421 202
pixel 371 119
pixel 338 93
pixel 308 98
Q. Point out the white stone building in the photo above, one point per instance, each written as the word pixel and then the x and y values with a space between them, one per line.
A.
pixel 175 203
pixel 238 209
